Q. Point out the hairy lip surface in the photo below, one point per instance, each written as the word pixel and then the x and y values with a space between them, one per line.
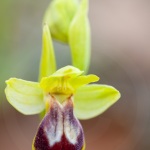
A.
pixel 59 130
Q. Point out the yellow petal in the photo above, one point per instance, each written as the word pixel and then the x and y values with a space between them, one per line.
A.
pixel 25 96
pixel 48 63
pixel 92 100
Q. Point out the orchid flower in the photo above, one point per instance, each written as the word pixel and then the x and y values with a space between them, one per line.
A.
pixel 65 95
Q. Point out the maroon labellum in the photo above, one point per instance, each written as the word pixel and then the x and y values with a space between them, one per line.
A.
pixel 60 129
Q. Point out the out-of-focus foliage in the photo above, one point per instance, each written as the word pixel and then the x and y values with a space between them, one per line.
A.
pixel 17 41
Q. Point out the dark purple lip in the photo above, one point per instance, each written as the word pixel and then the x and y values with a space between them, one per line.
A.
pixel 60 129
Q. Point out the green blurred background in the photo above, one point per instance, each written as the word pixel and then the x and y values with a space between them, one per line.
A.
pixel 120 56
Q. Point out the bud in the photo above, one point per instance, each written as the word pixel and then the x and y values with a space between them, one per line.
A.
pixel 68 22
pixel 59 129
pixel 59 16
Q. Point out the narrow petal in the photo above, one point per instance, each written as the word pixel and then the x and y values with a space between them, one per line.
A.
pixel 25 96
pixel 83 80
pixel 48 63
pixel 92 100
pixel 79 38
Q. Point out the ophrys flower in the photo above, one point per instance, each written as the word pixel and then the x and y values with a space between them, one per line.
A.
pixel 64 95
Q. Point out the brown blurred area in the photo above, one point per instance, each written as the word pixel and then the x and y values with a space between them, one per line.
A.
pixel 120 56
